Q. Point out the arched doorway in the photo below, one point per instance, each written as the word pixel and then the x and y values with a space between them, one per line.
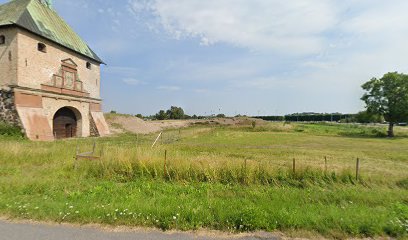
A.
pixel 65 123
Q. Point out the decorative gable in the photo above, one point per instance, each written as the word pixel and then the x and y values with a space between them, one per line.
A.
pixel 66 80
pixel 69 63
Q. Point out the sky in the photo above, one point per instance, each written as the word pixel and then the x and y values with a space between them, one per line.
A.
pixel 253 57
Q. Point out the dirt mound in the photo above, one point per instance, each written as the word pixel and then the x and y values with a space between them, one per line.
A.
pixel 119 123
pixel 124 123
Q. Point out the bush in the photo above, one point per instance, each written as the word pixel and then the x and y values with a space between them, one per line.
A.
pixel 9 130
pixel 366 117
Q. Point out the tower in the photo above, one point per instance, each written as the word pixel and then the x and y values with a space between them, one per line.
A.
pixel 49 77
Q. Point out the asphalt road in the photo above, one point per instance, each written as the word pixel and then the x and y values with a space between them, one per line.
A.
pixel 33 231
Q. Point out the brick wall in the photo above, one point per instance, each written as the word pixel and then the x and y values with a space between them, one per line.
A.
pixel 8 57
pixel 36 68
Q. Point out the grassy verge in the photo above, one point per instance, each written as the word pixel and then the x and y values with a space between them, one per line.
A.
pixel 233 179
pixel 337 211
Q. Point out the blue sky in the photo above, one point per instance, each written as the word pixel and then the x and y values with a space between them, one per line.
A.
pixel 252 57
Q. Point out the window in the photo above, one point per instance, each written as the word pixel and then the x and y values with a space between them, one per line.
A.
pixel 2 39
pixel 88 65
pixel 42 47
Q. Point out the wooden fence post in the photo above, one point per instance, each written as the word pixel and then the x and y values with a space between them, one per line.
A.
pixel 357 168
pixel 245 169
pixel 165 167
pixel 294 166
pixel 325 164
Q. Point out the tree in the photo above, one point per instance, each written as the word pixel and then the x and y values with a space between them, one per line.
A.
pixel 388 97
pixel 175 113
pixel 161 115
pixel 366 117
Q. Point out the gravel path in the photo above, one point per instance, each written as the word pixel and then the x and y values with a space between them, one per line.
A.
pixel 34 231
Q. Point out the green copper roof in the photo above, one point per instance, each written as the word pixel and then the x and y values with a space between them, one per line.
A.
pixel 42 20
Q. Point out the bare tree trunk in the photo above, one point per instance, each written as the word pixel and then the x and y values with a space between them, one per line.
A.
pixel 390 130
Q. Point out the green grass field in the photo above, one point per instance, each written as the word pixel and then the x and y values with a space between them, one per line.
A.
pixel 225 178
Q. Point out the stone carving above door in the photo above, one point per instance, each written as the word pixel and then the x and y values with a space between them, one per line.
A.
pixel 66 80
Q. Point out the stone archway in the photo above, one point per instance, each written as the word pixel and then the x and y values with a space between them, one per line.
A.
pixel 67 123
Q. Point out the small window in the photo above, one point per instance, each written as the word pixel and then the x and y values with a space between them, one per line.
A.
pixel 88 65
pixel 2 39
pixel 42 47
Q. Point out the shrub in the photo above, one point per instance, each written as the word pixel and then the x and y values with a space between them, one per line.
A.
pixel 9 130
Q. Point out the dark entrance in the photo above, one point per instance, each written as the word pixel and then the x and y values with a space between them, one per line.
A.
pixel 65 123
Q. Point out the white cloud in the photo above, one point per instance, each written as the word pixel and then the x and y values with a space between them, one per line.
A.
pixel 290 27
pixel 169 88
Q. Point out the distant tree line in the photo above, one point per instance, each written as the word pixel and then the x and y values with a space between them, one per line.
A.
pixel 272 118
pixel 309 117
pixel 177 113
pixel 361 117
pixel 318 117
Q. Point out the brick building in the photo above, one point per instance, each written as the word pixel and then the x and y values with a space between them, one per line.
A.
pixel 49 77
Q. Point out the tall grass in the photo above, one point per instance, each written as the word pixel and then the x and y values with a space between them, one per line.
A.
pixel 130 163
pixel 252 156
